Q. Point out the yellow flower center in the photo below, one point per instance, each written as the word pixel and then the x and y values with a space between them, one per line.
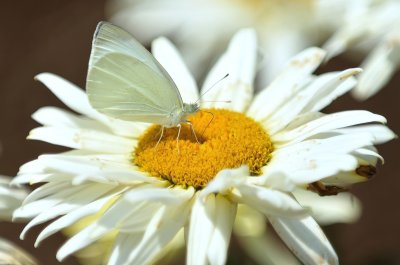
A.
pixel 227 140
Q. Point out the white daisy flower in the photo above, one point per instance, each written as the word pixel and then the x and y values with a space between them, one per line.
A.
pixel 267 152
pixel 10 198
pixel 369 25
pixel 11 254
pixel 285 28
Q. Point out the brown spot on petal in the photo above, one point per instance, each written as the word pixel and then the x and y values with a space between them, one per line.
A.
pixel 325 190
pixel 366 171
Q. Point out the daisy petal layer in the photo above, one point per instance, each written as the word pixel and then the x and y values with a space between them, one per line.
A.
pixel 310 162
pixel 325 124
pixel 83 139
pixel 319 93
pixel 159 232
pixel 296 75
pixel 73 217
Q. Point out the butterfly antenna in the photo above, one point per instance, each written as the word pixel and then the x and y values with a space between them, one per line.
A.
pixel 208 124
pixel 212 87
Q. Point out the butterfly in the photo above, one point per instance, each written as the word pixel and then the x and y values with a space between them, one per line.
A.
pixel 126 82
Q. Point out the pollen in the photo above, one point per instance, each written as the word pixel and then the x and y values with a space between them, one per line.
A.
pixel 227 139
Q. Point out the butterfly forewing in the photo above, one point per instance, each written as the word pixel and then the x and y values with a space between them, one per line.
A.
pixel 126 82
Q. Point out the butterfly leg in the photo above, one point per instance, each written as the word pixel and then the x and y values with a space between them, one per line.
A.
pixel 194 133
pixel 162 133
pixel 177 137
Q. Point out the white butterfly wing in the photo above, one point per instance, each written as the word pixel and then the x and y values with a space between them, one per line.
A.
pixel 126 82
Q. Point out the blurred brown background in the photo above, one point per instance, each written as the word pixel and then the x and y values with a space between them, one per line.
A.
pixel 55 36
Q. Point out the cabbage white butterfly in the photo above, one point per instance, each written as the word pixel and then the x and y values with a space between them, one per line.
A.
pixel 126 82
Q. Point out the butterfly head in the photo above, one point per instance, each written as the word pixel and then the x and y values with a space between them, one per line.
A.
pixel 191 108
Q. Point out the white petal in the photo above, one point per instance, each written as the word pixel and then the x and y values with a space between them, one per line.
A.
pixel 340 208
pixel 34 166
pixel 160 231
pixel 292 79
pixel 53 116
pixel 318 94
pixel 240 63
pixel 379 67
pixel 34 208
pixel 96 168
pixel 305 239
pixel 71 95
pixel 109 221
pixel 72 217
pixel 270 202
pixel 45 190
pixel 123 245
pixel 83 139
pixel 309 161
pixel 29 179
pixel 82 196
pixel 225 180
pixel 82 239
pixel 129 217
pixel 303 119
pixel 337 85
pixel 37 171
pixel 368 156
pixel 201 229
pixel 162 195
pixel 139 216
pixel 380 133
pixel 340 143
pixel 169 57
pixel 326 123
pixel 219 243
